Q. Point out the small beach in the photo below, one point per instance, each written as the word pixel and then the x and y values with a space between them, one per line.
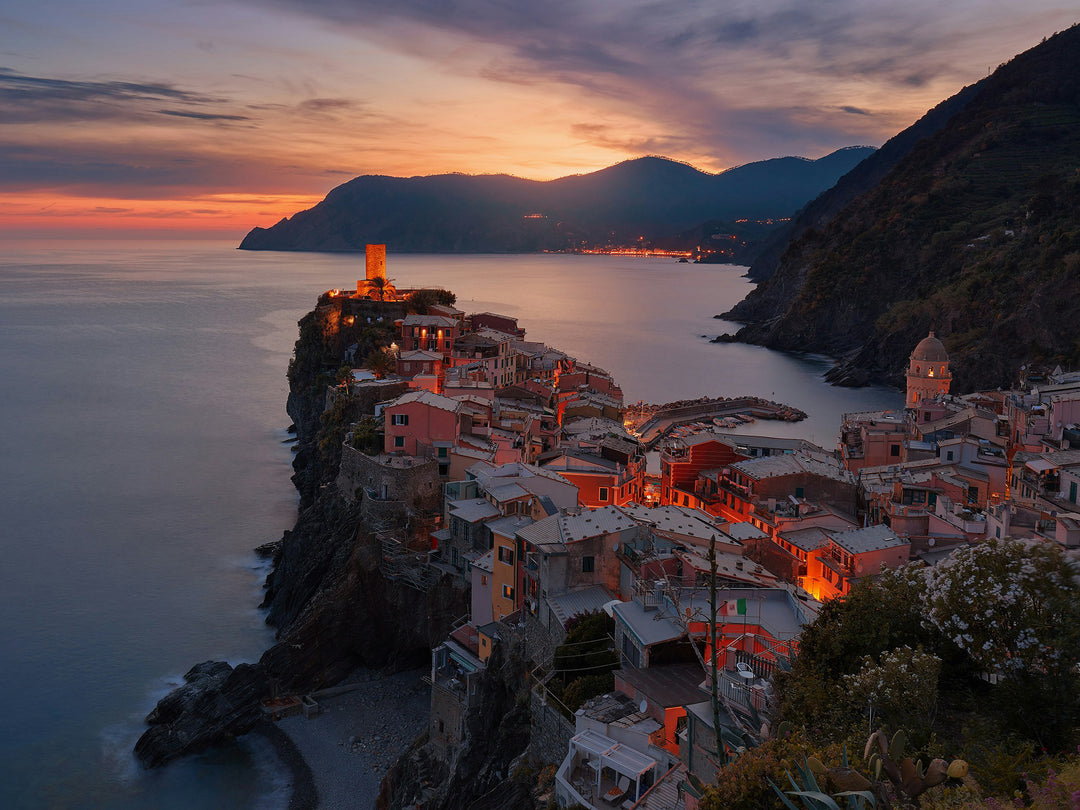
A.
pixel 364 724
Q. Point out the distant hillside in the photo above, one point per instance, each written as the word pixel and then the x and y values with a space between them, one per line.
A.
pixel 864 177
pixel 651 197
pixel 974 234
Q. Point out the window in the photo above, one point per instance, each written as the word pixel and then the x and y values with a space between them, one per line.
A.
pixel 799 492
pixel 507 592
pixel 948 455
pixel 603 493
pixel 399 419
pixel 483 579
pixel 506 555
pixel 399 441
pixel 443 451
pixel 588 565
pixel 894 450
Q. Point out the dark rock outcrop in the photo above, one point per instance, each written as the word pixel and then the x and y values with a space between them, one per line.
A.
pixel 217 702
pixel 333 609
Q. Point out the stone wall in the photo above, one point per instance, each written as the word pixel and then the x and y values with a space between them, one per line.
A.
pixel 536 645
pixel 550 731
pixel 389 486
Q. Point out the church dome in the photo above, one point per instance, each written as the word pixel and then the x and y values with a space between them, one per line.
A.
pixel 930 349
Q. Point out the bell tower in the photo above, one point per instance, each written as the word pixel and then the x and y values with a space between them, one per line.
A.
pixel 928 375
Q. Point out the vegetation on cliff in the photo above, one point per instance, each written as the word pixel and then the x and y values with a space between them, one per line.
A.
pixel 973 235
pixel 974 658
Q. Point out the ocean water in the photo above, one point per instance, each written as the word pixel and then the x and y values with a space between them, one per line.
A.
pixel 145 456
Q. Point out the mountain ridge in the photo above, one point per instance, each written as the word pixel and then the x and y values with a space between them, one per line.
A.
pixel 972 234
pixel 651 196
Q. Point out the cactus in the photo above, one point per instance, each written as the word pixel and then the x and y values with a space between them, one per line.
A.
pixel 821 788
pixel 958 769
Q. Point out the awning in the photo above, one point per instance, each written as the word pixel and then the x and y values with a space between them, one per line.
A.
pixel 614 755
pixel 1040 465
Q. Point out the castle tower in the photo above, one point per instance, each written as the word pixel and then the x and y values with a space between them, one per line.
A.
pixel 376 261
pixel 376 285
pixel 928 375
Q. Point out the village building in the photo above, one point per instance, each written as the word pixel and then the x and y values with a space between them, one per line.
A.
pixel 610 472
pixel 433 333
pixel 569 553
pixel 834 566
pixel 928 374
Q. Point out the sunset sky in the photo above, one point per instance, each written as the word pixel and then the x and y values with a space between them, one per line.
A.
pixel 218 115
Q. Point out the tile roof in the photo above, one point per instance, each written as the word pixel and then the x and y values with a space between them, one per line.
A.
pixel 793 464
pixel 472 510
pixel 809 539
pixel 872 538
pixel 577 603
pixel 428 320
pixel 425 397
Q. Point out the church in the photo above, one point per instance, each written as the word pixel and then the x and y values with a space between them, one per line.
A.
pixel 928 375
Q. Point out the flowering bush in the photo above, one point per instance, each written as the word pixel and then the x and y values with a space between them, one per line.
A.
pixel 902 685
pixel 1009 604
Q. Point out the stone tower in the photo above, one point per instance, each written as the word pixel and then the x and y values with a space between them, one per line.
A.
pixel 928 375
pixel 376 261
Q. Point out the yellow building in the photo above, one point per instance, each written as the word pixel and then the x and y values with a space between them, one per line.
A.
pixel 504 588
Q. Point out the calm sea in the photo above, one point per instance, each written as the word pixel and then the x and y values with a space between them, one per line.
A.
pixel 143 431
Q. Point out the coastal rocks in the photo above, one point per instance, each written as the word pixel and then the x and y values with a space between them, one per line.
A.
pixel 216 703
pixel 333 608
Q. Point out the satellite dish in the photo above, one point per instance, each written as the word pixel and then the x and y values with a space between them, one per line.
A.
pixel 931 542
pixel 643 705
pixel 615 547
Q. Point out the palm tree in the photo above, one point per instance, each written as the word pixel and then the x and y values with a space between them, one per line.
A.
pixel 381 362
pixel 377 287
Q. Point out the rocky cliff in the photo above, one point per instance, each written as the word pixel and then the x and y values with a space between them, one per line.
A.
pixel 973 234
pixel 332 608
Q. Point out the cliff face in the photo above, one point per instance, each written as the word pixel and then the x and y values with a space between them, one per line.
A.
pixel 479 773
pixel 973 235
pixel 331 605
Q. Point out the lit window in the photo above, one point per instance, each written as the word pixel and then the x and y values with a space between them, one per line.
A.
pixel 506 555
pixel 507 592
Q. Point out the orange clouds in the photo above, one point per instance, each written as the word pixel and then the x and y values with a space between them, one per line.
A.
pixel 227 213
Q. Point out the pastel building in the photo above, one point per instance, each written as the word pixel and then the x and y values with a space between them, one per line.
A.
pixel 419 421
pixel 928 375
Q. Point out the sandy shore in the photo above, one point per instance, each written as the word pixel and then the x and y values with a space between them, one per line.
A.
pixel 351 744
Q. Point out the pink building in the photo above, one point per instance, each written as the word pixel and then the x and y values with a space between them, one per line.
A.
pixel 422 423
pixel 500 323
pixel 433 333
pixel 419 362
